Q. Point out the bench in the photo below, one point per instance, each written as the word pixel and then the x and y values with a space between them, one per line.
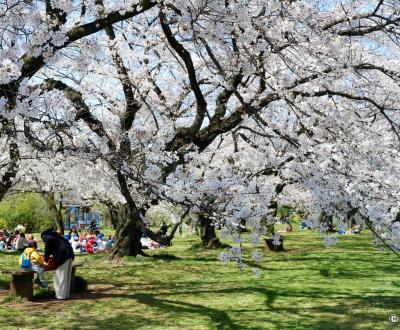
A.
pixel 22 281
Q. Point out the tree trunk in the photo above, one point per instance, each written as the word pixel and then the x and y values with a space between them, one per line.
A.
pixel 208 236
pixel 327 221
pixel 178 225
pixel 127 237
pixel 6 181
pixel 50 199
pixel 270 230
pixel 129 229
pixel 351 221
pixel 114 216
pixel 117 213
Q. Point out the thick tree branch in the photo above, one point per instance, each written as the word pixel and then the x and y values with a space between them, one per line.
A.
pixel 185 55
pixel 132 106
pixel 12 169
pixel 32 64
pixel 83 111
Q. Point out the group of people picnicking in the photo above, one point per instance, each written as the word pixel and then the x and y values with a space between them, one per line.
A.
pixel 90 240
pixel 60 250
pixel 352 230
pixel 93 241
pixel 58 256
pixel 84 242
pixel 148 243
pixel 15 240
pixel 58 253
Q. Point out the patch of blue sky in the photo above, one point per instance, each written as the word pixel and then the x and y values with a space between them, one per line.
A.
pixel 332 5
pixel 377 48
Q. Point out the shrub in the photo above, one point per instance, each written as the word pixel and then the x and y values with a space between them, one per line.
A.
pixel 28 209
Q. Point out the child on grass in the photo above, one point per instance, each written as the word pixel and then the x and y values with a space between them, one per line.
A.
pixel 36 263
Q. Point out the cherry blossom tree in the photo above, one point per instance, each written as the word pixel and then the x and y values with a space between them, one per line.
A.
pixel 33 35
pixel 222 107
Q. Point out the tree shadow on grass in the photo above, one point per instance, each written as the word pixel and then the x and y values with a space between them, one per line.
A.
pixel 345 311
pixel 201 259
pixel 165 256
pixel 123 321
pixel 396 283
pixel 214 259
pixel 219 319
pixel 4 284
pixel 355 272
pixel 345 315
pixel 199 247
pixel 342 313
pixel 338 267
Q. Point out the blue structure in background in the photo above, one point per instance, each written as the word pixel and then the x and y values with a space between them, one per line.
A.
pixel 80 216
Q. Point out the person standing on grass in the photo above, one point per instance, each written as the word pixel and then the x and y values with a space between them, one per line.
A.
pixel 63 255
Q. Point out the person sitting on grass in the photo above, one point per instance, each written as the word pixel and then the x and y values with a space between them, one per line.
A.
pixel 12 240
pixel 75 244
pixel 110 242
pixel 98 234
pixel 21 242
pixel 148 243
pixel 92 226
pixel 101 244
pixel 73 231
pixel 163 229
pixel 36 263
pixel 2 244
pixel 356 229
pixel 91 245
pixel 2 240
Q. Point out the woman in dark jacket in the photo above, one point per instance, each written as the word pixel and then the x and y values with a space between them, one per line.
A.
pixel 63 256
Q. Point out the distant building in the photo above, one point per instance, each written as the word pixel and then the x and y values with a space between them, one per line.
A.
pixel 80 216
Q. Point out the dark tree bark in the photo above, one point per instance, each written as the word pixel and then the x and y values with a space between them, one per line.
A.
pixel 6 181
pixel 350 218
pixel 177 225
pixel 327 221
pixel 127 238
pixel 114 217
pixel 208 236
pixel 117 212
pixel 129 230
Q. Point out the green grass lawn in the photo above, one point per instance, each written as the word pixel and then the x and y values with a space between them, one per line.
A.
pixel 353 285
